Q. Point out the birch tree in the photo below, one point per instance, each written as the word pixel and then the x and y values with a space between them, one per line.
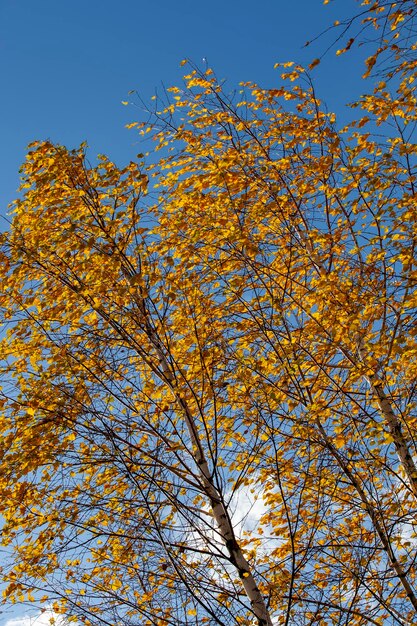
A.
pixel 230 324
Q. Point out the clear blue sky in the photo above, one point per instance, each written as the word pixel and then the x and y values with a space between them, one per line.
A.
pixel 66 66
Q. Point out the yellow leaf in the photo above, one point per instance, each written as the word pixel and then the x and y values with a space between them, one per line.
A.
pixel 313 64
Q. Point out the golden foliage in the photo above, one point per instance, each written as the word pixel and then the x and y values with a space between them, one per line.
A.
pixel 234 322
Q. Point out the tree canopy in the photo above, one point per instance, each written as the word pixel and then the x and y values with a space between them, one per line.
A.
pixel 208 411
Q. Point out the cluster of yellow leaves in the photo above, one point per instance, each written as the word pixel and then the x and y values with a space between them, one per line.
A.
pixel 389 27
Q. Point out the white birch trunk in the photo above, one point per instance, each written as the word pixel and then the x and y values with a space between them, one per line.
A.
pixel 219 510
pixel 393 424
